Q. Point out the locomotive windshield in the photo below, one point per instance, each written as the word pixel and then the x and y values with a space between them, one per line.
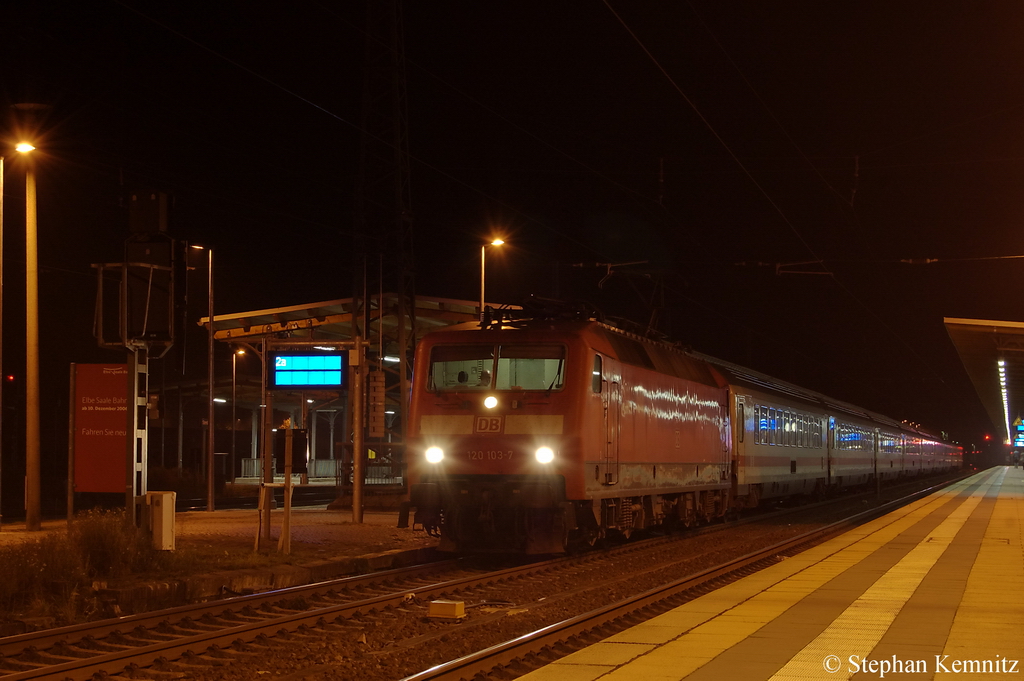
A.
pixel 501 367
pixel 461 367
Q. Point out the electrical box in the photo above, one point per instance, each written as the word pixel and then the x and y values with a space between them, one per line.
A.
pixel 449 610
pixel 161 519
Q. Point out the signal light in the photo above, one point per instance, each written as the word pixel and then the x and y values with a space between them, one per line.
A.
pixel 9 378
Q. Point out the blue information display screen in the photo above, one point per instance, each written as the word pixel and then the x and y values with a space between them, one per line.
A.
pixel 299 370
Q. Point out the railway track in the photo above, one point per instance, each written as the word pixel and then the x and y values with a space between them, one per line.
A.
pixel 195 641
pixel 513 657
pixel 105 647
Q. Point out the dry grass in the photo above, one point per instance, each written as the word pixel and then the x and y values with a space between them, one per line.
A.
pixel 57 575
pixel 54 576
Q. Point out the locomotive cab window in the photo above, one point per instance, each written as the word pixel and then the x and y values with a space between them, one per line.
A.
pixel 461 367
pixel 531 367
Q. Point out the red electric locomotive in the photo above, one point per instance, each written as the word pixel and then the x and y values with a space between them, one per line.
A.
pixel 528 436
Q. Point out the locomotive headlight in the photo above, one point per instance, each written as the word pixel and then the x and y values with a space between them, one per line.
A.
pixel 490 401
pixel 434 454
pixel 545 455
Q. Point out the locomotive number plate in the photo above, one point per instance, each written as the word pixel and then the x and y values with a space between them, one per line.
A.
pixel 490 455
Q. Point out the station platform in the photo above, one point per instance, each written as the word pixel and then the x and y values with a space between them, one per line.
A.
pixel 931 589
pixel 218 555
pixel 237 528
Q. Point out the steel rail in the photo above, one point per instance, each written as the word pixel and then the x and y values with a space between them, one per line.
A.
pixel 84 668
pixel 142 655
pixel 13 645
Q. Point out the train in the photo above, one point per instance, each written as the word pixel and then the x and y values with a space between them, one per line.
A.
pixel 555 429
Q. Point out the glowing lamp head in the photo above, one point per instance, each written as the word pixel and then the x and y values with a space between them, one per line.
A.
pixel 490 401
pixel 434 455
pixel 545 455
pixel 24 147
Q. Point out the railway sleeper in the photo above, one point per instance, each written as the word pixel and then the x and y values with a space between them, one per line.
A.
pixel 149 673
pixel 46 658
pixel 201 660
pixel 14 666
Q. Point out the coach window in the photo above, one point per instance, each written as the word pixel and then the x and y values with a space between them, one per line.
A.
pixel 598 377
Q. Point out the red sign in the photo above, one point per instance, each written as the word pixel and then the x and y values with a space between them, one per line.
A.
pixel 101 427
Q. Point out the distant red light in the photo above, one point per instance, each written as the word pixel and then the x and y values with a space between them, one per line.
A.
pixel 10 377
pixel 988 437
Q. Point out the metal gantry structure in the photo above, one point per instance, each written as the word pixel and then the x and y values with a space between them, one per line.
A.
pixel 144 288
pixel 383 219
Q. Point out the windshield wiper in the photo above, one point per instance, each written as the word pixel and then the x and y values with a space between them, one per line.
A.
pixel 558 374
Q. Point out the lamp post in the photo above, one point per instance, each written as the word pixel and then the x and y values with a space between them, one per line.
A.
pixel 1 333
pixel 234 418
pixel 483 262
pixel 32 496
pixel 209 373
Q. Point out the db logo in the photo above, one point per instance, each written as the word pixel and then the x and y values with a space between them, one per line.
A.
pixel 488 424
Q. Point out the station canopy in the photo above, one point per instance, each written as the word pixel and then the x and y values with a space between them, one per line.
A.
pixel 992 352
pixel 333 319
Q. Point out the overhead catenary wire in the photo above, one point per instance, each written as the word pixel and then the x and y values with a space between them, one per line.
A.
pixel 816 259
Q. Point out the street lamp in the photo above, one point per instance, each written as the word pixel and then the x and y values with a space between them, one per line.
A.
pixel 209 367
pixel 234 418
pixel 483 261
pixel 32 496
pixel 1 329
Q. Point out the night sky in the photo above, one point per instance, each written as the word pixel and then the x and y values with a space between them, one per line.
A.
pixel 717 142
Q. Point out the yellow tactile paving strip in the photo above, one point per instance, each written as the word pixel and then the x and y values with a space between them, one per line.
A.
pixel 682 641
pixel 989 624
pixel 855 633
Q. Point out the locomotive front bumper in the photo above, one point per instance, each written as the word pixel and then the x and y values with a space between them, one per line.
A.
pixel 527 513
pixel 527 491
